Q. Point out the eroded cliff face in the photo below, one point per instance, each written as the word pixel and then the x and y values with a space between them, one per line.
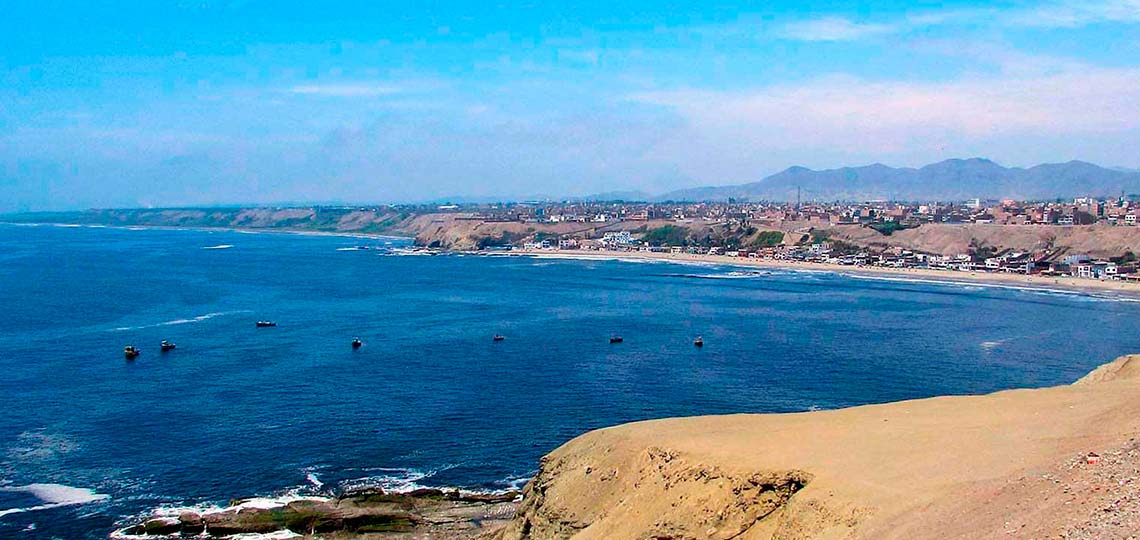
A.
pixel 601 491
pixel 959 467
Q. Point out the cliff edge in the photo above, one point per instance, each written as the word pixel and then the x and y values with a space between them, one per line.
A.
pixel 1052 462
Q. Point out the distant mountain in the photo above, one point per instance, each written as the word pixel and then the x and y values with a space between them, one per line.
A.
pixel 629 196
pixel 950 180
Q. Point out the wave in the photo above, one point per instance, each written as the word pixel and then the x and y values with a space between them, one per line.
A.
pixel 976 286
pixel 570 256
pixel 219 246
pixel 175 322
pixel 54 496
pixel 316 482
pixel 735 274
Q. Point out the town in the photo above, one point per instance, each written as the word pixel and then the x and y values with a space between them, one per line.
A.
pixel 807 231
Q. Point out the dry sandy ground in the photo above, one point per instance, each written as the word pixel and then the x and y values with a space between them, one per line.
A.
pixel 1013 464
pixel 1102 241
pixel 1010 280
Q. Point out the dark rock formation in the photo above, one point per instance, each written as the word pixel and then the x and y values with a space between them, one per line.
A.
pixel 358 511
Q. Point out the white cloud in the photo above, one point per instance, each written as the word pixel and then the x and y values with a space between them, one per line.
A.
pixel 848 119
pixel 1074 14
pixel 1063 14
pixel 834 29
pixel 344 90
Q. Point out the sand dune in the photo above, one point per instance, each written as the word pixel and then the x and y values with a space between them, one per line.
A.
pixel 1009 464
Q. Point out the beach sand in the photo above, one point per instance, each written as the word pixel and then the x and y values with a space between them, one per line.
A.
pixel 1012 280
pixel 1013 464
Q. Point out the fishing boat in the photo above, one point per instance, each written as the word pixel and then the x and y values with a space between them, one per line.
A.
pixel 699 342
pixel 616 339
pixel 265 324
pixel 497 337
pixel 131 352
pixel 167 346
pixel 356 343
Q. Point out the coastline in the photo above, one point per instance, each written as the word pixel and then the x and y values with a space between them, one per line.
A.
pixel 1064 283
pixel 299 232
pixel 1061 283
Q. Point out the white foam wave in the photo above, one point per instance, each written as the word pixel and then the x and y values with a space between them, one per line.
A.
pixel 514 483
pixel 38 446
pixel 566 256
pixel 735 274
pixel 316 482
pixel 276 535
pixel 394 480
pixel 175 322
pixel 53 495
pixel 219 246
pixel 255 503
pixel 1034 289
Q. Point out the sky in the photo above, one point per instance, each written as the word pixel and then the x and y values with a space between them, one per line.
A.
pixel 177 103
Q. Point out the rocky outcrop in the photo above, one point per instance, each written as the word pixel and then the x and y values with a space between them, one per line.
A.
pixel 371 511
pixel 673 497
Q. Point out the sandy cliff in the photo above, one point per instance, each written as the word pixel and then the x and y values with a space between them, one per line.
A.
pixel 946 239
pixel 1009 464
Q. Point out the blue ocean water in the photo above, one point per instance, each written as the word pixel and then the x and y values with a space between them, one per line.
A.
pixel 429 399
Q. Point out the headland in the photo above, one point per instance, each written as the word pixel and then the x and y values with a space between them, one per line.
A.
pixel 1060 462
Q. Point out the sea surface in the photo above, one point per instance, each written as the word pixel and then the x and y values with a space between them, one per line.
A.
pixel 88 440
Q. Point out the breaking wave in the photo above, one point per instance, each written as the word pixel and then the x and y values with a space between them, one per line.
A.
pixel 53 496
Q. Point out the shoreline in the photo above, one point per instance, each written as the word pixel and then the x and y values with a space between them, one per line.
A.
pixel 1061 283
pixel 1066 284
pixel 299 232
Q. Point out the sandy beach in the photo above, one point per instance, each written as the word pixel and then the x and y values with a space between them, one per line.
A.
pixel 1066 283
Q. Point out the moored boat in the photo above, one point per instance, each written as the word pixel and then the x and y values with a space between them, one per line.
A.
pixel 265 324
pixel 699 342
pixel 356 343
pixel 498 337
pixel 167 346
pixel 616 339
pixel 131 352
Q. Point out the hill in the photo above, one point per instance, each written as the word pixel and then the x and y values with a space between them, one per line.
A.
pixel 949 180
pixel 1046 463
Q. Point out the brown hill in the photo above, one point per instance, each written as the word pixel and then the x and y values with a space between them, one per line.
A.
pixel 1013 464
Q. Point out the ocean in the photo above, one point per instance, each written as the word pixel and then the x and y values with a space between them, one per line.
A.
pixel 89 440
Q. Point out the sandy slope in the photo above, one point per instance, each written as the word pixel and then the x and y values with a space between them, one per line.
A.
pixel 950 239
pixel 1004 465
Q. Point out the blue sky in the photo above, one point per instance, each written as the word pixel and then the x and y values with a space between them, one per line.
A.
pixel 219 102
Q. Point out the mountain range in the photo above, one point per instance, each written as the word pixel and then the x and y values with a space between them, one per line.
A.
pixel 949 180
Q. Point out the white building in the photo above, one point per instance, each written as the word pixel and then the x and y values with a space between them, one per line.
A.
pixel 619 238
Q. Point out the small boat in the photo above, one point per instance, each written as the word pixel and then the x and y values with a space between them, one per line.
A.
pixel 497 337
pixel 356 343
pixel 167 346
pixel 265 324
pixel 131 352
pixel 616 339
pixel 699 342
